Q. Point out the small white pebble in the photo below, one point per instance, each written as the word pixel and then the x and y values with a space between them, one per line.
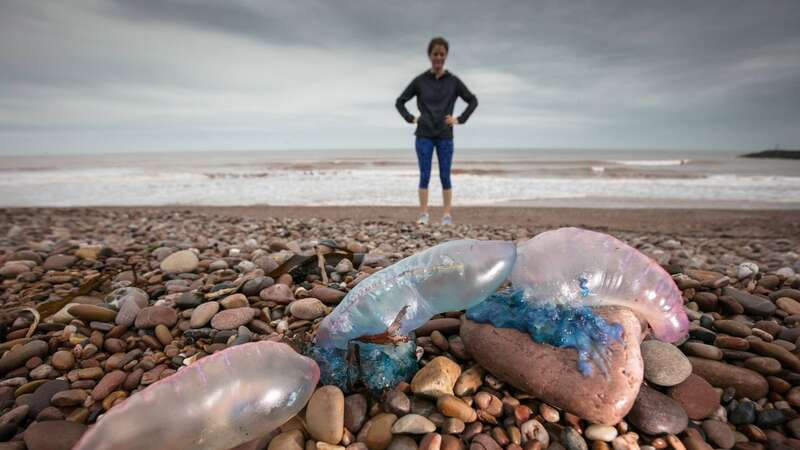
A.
pixel 603 433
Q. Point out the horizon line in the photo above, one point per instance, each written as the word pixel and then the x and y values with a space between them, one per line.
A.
pixel 381 149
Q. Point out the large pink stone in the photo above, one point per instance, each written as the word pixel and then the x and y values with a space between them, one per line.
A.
pixel 551 374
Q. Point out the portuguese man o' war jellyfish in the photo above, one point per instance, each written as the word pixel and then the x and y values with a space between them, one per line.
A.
pixel 369 336
pixel 452 276
pixel 223 400
pixel 560 274
pixel 572 266
pixel 558 325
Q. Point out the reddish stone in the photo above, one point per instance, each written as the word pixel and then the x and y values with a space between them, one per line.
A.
pixel 551 374
pixel 697 397
pixel 747 383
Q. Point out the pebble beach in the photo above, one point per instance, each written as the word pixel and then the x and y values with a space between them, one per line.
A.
pixel 100 303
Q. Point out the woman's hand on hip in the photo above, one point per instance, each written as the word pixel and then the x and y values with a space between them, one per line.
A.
pixel 451 120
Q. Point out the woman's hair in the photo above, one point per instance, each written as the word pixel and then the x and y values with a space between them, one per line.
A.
pixel 438 40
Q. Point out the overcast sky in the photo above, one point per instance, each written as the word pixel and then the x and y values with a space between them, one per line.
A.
pixel 155 75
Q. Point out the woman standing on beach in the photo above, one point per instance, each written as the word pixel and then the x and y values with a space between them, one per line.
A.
pixel 436 91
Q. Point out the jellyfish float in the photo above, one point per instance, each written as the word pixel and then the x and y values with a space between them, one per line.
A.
pixel 561 274
pixel 369 336
pixel 223 400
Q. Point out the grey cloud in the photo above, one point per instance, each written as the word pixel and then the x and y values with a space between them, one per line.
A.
pixel 716 72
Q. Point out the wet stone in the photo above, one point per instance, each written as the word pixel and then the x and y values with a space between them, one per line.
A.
pixel 469 381
pixel 355 411
pixel 452 425
pixel 736 355
pixel 379 431
pixel 90 313
pixel 746 382
pixel 697 397
pixel 70 397
pixel 59 262
pixel 769 326
pixel 572 440
pixel 790 334
pixel 603 433
pixel 443 325
pixel 552 374
pixel 19 355
pixel 231 319
pixel 397 403
pixel 50 413
pixel 732 327
pixel 702 350
pixel 744 413
pixel 53 435
pixel 16 415
pixel 402 442
pixel 483 441
pixel 786 292
pixel 325 414
pixel 163 334
pixel 730 306
pixel 266 263
pixel 199 333
pixel 752 304
pixel 128 311
pixel 40 398
pixel 719 433
pixel 108 384
pixel 794 427
pixel 289 440
pixel 42 372
pixel 450 443
pixel 241 339
pixel 731 342
pixel 234 301
pixel 694 440
pixel 763 365
pixel 153 315
pixel 224 336
pixel 278 293
pixel 180 262
pixel 655 413
pixel 452 406
pixel 422 406
pixel 787 359
pixel 707 301
pixel 307 308
pixel 203 314
pixel 119 296
pixel 189 300
pixel 7 431
pixel 769 418
pixel 253 287
pixel 436 378
pixel 13 270
pixel 702 334
pixel 102 326
pixel 664 364
pixel 28 388
pixel 327 295
pixel 434 441
pixel 413 424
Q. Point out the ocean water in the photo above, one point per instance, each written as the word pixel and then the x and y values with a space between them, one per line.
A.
pixel 583 178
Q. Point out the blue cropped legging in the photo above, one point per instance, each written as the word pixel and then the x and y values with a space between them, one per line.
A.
pixel 444 153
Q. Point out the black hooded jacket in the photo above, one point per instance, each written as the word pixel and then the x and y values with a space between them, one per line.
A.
pixel 436 98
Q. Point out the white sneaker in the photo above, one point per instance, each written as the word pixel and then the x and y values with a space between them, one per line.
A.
pixel 423 219
pixel 447 220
